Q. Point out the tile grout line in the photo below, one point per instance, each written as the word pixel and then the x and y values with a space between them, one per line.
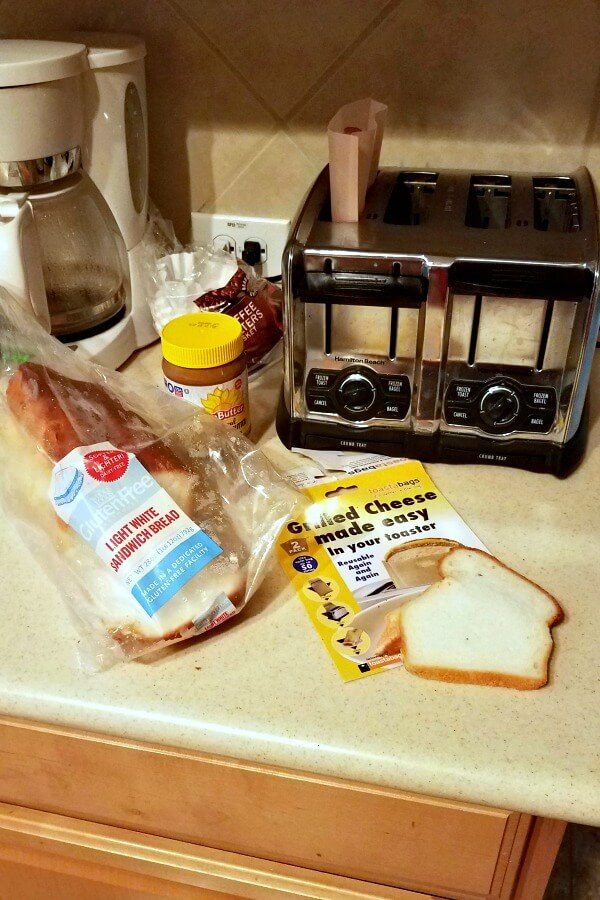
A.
pixel 174 4
pixel 276 124
pixel 245 164
pixel 244 168
pixel 367 31
pixel 281 120
pixel 290 136
pixel 334 65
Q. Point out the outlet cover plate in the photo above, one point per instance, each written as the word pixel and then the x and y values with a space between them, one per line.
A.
pixel 231 232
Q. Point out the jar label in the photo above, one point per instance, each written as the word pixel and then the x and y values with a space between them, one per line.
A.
pixel 227 401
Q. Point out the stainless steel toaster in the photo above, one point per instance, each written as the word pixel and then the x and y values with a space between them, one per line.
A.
pixel 455 321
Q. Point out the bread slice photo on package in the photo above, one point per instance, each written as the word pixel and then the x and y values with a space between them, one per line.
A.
pixel 415 564
pixel 154 519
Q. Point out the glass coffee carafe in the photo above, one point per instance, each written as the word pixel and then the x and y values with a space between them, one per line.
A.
pixel 83 255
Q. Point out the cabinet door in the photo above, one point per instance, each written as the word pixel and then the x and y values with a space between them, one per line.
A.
pixel 27 881
pixel 42 854
pixel 345 828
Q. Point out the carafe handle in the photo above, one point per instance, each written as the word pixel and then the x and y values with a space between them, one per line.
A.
pixel 21 258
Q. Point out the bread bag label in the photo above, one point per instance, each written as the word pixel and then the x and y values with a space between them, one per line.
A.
pixel 220 610
pixel 109 498
pixel 367 542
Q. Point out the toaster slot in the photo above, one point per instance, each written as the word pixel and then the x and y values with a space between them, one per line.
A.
pixel 488 203
pixel 555 204
pixel 539 365
pixel 474 330
pixel 410 201
pixel 327 328
pixel 393 333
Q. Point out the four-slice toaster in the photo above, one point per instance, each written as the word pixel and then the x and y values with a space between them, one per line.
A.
pixel 455 321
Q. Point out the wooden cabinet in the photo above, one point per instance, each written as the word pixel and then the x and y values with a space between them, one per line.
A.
pixel 100 817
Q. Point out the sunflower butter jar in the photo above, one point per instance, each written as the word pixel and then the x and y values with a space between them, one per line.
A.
pixel 204 363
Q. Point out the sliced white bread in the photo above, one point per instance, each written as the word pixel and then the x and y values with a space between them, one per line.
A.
pixel 483 623
pixel 103 603
pixel 411 565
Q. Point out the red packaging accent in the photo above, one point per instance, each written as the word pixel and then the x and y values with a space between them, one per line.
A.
pixel 258 312
pixel 106 465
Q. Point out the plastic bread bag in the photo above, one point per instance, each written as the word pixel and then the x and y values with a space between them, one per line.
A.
pixel 155 521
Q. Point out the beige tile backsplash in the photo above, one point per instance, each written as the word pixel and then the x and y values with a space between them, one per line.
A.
pixel 240 91
pixel 282 47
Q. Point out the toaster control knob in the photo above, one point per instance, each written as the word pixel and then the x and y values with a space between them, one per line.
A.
pixel 499 406
pixel 356 394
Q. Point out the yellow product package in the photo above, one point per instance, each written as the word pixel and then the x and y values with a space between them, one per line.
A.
pixel 365 544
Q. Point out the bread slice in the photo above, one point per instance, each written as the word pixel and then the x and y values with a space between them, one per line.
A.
pixel 483 623
pixel 410 566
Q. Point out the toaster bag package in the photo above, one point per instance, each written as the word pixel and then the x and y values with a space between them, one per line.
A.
pixel 155 520
pixel 365 544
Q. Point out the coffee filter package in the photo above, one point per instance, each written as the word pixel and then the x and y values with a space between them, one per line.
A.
pixel 155 520
pixel 199 278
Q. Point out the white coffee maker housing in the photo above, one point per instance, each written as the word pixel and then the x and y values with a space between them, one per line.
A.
pixel 72 109
pixel 115 147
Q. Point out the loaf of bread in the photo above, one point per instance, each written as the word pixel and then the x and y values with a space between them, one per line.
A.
pixel 51 415
pixel 482 623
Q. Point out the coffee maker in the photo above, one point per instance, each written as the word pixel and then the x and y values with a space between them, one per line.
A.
pixel 74 189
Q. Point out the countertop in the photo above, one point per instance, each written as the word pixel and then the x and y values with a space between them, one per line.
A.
pixel 264 690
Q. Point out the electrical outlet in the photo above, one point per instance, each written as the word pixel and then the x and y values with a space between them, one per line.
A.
pixel 258 241
pixel 224 242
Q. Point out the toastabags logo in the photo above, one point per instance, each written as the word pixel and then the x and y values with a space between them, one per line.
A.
pixel 106 465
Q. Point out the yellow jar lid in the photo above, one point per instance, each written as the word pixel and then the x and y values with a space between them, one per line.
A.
pixel 202 340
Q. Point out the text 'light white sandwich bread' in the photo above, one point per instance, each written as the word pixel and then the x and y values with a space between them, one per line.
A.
pixel 483 623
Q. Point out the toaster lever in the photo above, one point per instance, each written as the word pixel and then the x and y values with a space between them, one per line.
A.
pixel 365 289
